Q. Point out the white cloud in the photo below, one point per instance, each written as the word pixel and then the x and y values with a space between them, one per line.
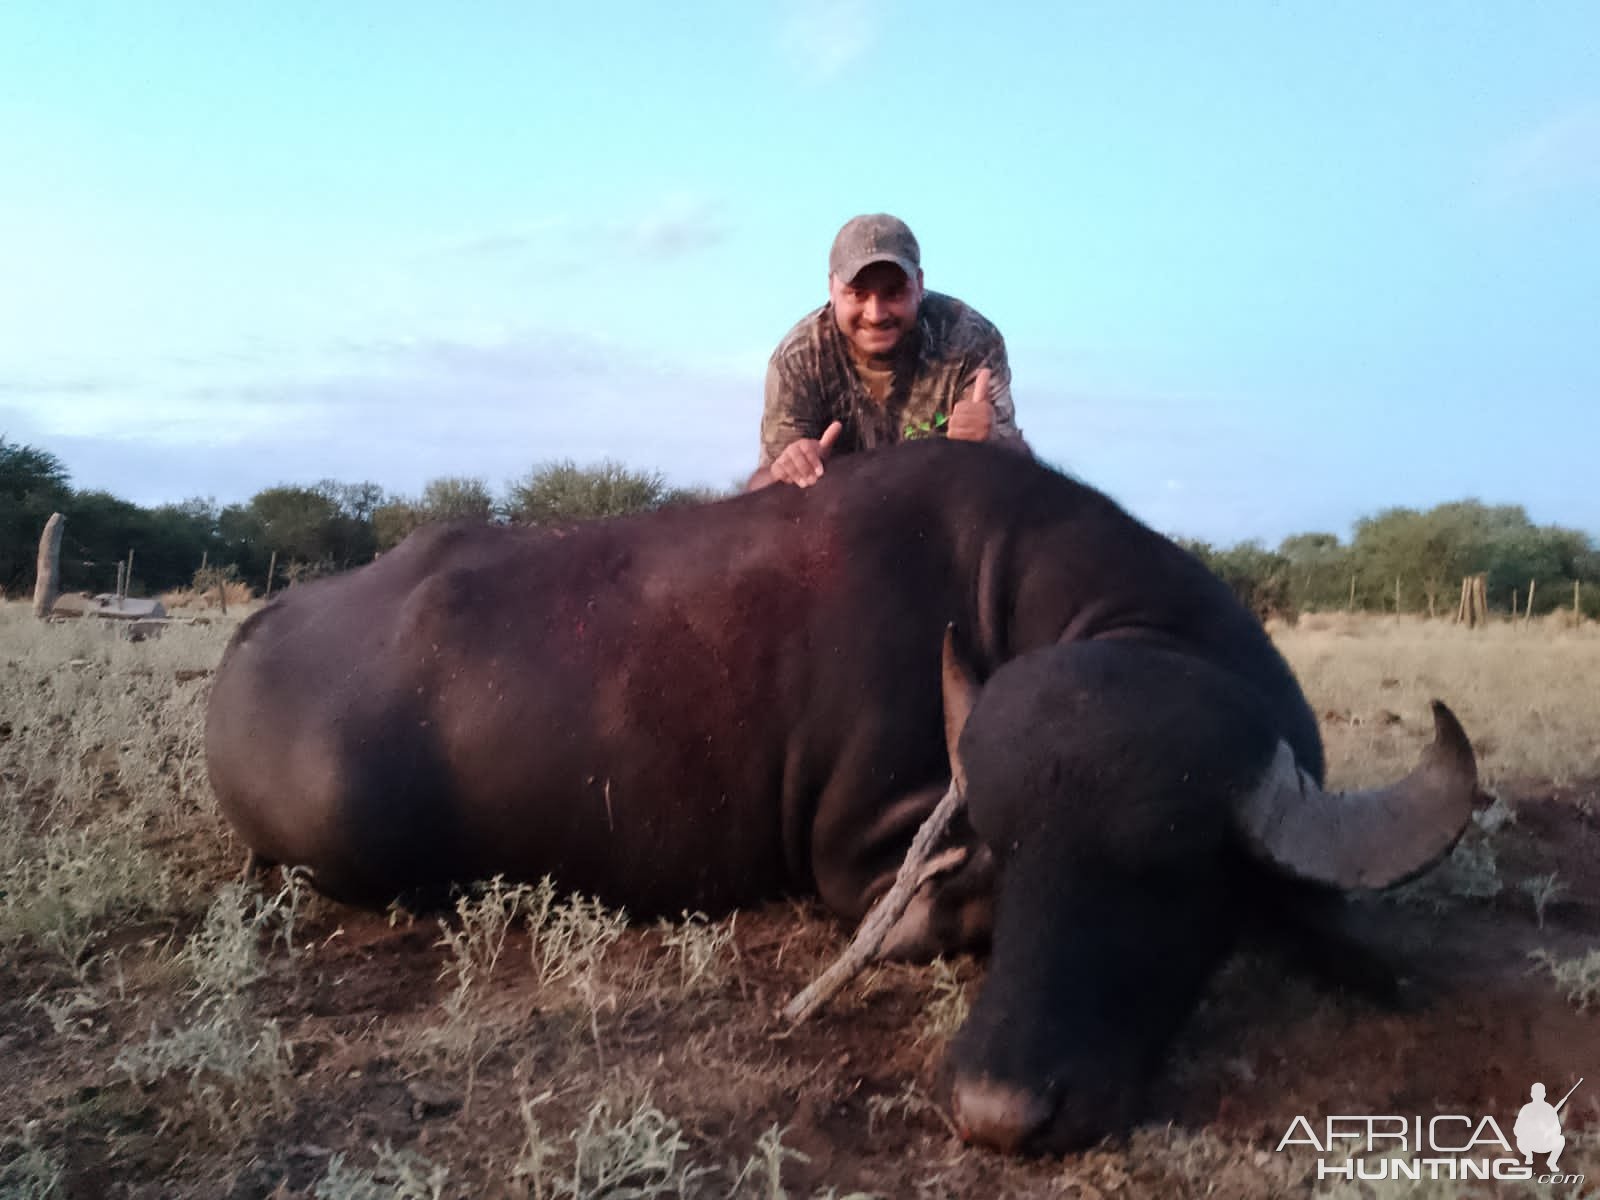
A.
pixel 52 386
pixel 679 226
pixel 1562 151
pixel 513 239
pixel 823 37
pixel 402 411
pixel 675 227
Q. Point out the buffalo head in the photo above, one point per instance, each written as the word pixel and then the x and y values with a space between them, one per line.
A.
pixel 1140 803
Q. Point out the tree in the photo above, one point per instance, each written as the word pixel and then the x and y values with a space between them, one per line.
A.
pixel 562 491
pixel 350 532
pixel 321 528
pixel 101 529
pixel 355 501
pixel 1425 552
pixel 1319 570
pixel 448 498
pixel 241 538
pixel 393 522
pixel 33 484
pixel 178 538
pixel 296 522
pixel 457 498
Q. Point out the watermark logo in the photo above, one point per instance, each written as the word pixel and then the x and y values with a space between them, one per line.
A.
pixel 1538 1126
pixel 1448 1146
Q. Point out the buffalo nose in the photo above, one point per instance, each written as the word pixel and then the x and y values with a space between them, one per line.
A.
pixel 1001 1116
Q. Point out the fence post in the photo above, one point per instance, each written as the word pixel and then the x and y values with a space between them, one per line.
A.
pixel 127 576
pixel 1528 615
pixel 47 570
pixel 1475 601
pixel 272 569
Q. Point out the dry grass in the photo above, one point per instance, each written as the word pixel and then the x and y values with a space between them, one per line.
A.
pixel 1525 693
pixel 237 594
pixel 588 1049
pixel 1578 978
pixel 101 763
pixel 949 1001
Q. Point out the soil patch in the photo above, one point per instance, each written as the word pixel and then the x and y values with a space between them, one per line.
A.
pixel 856 1093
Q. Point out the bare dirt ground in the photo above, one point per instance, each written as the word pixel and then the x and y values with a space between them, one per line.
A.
pixel 1479 1023
pixel 340 1053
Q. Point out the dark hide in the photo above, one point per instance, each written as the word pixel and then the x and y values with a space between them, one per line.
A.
pixel 1103 774
pixel 707 706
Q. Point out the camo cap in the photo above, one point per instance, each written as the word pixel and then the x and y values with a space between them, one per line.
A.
pixel 875 238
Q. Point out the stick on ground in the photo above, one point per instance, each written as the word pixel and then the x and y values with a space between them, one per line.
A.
pixel 890 908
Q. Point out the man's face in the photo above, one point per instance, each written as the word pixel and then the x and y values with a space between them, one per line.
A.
pixel 877 308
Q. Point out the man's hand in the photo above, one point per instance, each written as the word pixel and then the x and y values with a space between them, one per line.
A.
pixel 972 419
pixel 801 462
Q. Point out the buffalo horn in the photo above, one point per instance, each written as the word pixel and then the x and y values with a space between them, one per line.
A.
pixel 960 694
pixel 1369 839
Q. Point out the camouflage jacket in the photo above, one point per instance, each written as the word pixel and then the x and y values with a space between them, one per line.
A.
pixel 812 381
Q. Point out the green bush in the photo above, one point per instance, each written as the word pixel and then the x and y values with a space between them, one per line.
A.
pixel 563 491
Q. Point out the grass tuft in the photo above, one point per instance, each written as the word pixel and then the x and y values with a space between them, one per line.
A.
pixel 1470 872
pixel 397 1175
pixel 237 1067
pixel 700 949
pixel 1543 890
pixel 27 1170
pixel 641 1154
pixel 62 889
pixel 1578 978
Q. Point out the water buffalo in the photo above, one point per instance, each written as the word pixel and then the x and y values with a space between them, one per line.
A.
pixel 707 706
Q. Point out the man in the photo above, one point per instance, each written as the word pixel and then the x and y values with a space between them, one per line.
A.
pixel 881 362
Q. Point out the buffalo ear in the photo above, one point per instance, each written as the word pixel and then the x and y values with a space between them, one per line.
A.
pixel 960 694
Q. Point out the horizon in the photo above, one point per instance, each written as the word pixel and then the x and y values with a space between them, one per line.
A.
pixel 501 499
pixel 1260 272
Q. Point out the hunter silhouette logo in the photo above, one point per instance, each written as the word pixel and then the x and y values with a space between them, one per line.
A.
pixel 1445 1146
pixel 1538 1127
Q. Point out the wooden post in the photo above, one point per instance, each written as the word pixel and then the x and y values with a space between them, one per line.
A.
pixel 118 588
pixel 1352 593
pixel 272 569
pixel 1528 616
pixel 127 578
pixel 1474 608
pixel 1397 595
pixel 1513 604
pixel 1577 608
pixel 204 556
pixel 47 570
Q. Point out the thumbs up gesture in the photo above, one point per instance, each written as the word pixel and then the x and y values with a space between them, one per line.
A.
pixel 972 419
pixel 801 462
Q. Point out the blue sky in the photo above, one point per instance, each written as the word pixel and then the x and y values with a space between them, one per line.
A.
pixel 1262 268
